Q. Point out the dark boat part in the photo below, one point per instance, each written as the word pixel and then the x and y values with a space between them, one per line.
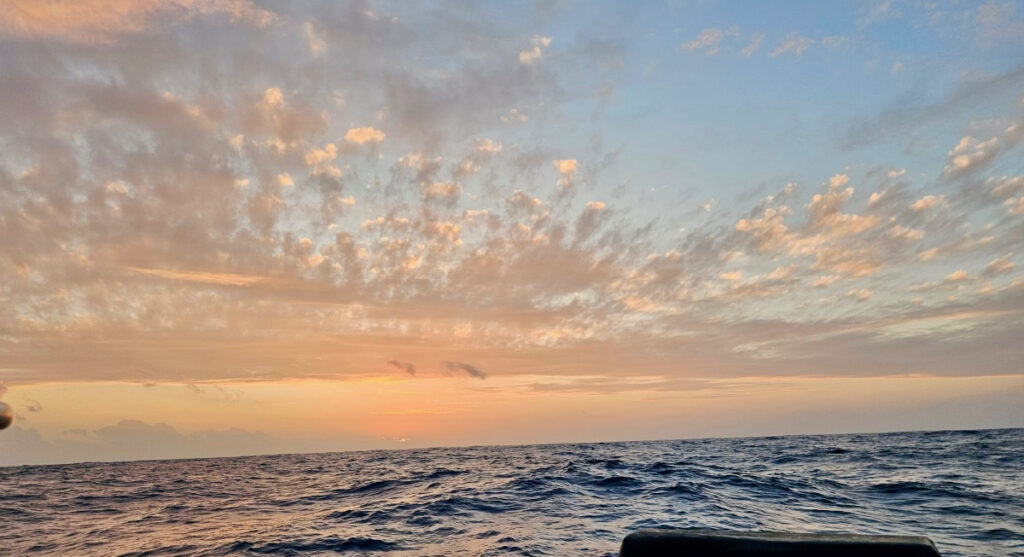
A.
pixel 701 542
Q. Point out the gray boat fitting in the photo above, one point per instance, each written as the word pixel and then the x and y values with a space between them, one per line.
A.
pixel 703 542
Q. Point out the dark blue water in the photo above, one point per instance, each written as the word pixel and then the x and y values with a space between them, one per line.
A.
pixel 965 490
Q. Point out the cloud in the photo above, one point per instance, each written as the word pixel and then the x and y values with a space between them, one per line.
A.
pixel 488 147
pixel 826 210
pixel 102 21
pixel 484 149
pixel 880 12
pixel 513 116
pixel 284 180
pixel 824 280
pixel 970 153
pixel 361 136
pixel 905 233
pixel 539 45
pixel 755 44
pixel 1004 186
pixel 320 161
pixel 592 219
pixel 996 22
pixel 470 370
pixel 860 294
pixel 443 192
pixel 524 201
pixel 314 39
pixel 407 367
pixel 205 277
pixel 161 227
pixel 566 170
pixel 32 405
pixel 836 41
pixel 794 43
pixel 929 202
pixel 959 275
pixel 1000 265
pixel 769 230
pixel 908 115
pixel 708 40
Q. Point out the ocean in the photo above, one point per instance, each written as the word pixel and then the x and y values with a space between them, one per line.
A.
pixel 963 489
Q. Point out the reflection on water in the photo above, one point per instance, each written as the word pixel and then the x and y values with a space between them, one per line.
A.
pixel 962 489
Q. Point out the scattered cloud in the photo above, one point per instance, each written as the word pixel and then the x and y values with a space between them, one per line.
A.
pixel 103 21
pixel 708 40
pixel 880 12
pixel 145 212
pixel 314 38
pixel 1000 265
pixel 794 44
pixel 566 171
pixel 754 45
pixel 364 135
pixel 538 46
pixel 929 202
pixel 959 275
pixel 860 294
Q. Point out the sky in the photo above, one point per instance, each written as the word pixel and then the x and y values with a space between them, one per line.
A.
pixel 246 227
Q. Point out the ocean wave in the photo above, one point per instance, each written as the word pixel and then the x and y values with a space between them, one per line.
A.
pixel 961 489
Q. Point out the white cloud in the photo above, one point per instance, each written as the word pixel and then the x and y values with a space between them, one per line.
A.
pixel 754 45
pixel 708 40
pixel 794 43
pixel 513 116
pixel 539 45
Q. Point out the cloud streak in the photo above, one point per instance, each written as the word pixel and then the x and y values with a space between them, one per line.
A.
pixel 407 367
pixel 468 369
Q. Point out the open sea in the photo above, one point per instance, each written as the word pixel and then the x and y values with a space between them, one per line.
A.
pixel 963 489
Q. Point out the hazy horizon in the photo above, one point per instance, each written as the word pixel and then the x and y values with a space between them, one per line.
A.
pixel 247 227
pixel 139 456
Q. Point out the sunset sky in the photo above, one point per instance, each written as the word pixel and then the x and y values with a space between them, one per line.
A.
pixel 243 227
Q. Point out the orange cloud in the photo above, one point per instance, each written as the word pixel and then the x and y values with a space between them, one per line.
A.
pixel 364 135
pixel 101 21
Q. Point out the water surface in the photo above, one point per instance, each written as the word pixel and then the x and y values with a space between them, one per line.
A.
pixel 963 489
